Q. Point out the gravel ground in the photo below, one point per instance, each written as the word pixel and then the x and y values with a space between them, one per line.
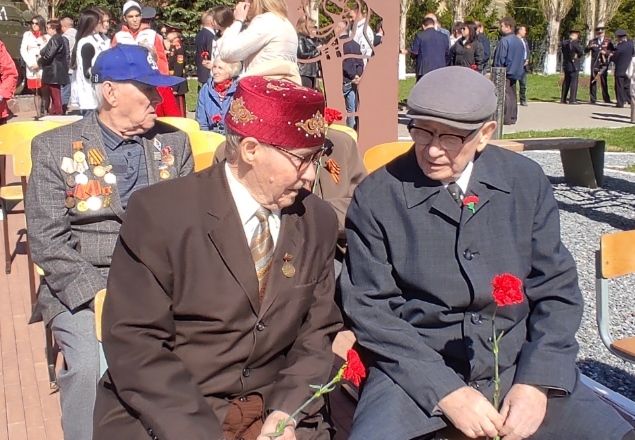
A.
pixel 585 215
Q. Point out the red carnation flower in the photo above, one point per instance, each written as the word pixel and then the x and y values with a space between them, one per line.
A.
pixel 355 372
pixel 205 55
pixel 217 118
pixel 507 290
pixel 331 115
pixel 471 201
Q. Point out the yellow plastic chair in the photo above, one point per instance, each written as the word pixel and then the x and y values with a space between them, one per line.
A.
pixel 100 297
pixel 379 155
pixel 186 124
pixel 204 145
pixel 345 129
pixel 15 141
pixel 615 259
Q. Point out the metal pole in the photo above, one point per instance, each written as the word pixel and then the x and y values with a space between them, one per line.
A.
pixel 499 78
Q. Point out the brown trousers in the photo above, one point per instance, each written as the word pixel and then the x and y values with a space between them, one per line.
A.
pixel 244 418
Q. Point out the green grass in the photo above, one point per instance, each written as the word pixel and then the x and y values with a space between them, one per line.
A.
pixel 630 168
pixel 192 95
pixel 544 88
pixel 617 139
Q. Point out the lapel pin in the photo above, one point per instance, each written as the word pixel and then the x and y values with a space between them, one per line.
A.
pixel 288 269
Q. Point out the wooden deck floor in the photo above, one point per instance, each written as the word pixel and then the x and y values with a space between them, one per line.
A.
pixel 28 409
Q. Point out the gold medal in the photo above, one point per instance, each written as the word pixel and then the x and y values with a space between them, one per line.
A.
pixel 78 145
pixel 106 202
pixel 79 157
pixel 94 203
pixel 81 179
pixel 82 206
pixel 164 174
pixel 168 159
pixel 99 171
pixel 288 269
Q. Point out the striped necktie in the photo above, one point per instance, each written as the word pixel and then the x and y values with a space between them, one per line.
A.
pixel 262 250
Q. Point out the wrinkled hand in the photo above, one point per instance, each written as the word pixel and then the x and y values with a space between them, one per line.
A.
pixel 207 64
pixel 524 410
pixel 270 426
pixel 241 10
pixel 471 413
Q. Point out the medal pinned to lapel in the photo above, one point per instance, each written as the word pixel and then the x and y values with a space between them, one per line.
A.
pixel 288 269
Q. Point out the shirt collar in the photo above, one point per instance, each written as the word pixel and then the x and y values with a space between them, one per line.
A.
pixel 245 203
pixel 464 178
pixel 113 140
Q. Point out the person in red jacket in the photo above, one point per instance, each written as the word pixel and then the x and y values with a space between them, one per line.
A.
pixel 136 30
pixel 8 82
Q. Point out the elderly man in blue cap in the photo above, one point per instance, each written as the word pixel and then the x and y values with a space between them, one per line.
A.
pixel 83 175
pixel 453 246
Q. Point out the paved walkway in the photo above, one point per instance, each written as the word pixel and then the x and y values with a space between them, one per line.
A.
pixel 546 116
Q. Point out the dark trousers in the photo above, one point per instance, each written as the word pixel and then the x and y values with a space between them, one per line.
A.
pixel 622 90
pixel 56 99
pixel 511 106
pixel 604 84
pixel 522 88
pixel 570 87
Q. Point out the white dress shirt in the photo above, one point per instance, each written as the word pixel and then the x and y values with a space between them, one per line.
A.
pixel 247 207
pixel 464 179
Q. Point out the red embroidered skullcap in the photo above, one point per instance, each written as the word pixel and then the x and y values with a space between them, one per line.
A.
pixel 277 112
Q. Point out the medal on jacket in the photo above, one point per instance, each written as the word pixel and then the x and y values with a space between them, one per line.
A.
pixel 288 269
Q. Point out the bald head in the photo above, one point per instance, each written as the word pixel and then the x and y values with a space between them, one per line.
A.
pixel 433 17
pixel 67 23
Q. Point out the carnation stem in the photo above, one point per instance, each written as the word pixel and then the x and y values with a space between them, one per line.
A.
pixel 324 389
pixel 497 385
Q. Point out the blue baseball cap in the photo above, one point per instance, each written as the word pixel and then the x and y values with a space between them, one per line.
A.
pixel 127 62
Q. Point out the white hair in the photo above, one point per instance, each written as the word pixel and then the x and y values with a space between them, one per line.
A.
pixel 99 94
pixel 232 146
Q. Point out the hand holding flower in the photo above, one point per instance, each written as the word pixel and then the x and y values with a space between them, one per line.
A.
pixel 524 410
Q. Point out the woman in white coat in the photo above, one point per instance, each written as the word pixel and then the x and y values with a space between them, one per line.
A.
pixel 33 41
pixel 269 44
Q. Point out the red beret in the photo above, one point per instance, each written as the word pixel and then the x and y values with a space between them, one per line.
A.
pixel 277 112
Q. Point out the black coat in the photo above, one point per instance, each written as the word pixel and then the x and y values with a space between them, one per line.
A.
pixel 470 55
pixel 600 52
pixel 622 57
pixel 572 53
pixel 54 61
pixel 307 49
pixel 204 41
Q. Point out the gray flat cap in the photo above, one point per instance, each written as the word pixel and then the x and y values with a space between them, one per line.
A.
pixel 620 33
pixel 455 96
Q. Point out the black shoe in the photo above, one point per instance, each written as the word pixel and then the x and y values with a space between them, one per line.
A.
pixel 563 102
pixel 574 103
pixel 592 101
pixel 524 103
pixel 619 106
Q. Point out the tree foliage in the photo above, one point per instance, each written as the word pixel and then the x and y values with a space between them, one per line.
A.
pixel 624 18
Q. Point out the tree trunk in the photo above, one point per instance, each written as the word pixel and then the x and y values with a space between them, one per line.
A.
pixel 403 19
pixel 590 18
pixel 551 59
pixel 314 10
pixel 606 9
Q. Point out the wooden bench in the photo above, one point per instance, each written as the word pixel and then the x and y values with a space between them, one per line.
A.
pixel 582 159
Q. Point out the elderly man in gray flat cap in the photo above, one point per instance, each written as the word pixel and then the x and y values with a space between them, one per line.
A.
pixel 436 239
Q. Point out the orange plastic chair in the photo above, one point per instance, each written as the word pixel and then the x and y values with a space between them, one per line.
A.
pixel 616 258
pixel 379 155
pixel 204 145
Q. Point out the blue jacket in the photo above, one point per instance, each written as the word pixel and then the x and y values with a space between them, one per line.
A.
pixel 510 53
pixel 432 50
pixel 210 104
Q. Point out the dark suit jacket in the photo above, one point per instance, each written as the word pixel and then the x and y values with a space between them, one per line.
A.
pixel 622 57
pixel 605 48
pixel 572 54
pixel 183 332
pixel 75 248
pixel 416 286
pixel 203 41
pixel 431 49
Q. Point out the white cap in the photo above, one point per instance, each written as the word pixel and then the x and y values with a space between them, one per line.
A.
pixel 129 5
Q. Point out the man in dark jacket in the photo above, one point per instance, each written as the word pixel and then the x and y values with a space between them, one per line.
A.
pixel 430 48
pixel 353 68
pixel 622 58
pixel 482 38
pixel 204 41
pixel 572 53
pixel 601 48
pixel 510 54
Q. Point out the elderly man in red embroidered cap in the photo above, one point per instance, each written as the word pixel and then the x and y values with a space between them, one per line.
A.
pixel 220 311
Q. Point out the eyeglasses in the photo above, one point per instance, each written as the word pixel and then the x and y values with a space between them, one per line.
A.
pixel 34 22
pixel 449 142
pixel 305 161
